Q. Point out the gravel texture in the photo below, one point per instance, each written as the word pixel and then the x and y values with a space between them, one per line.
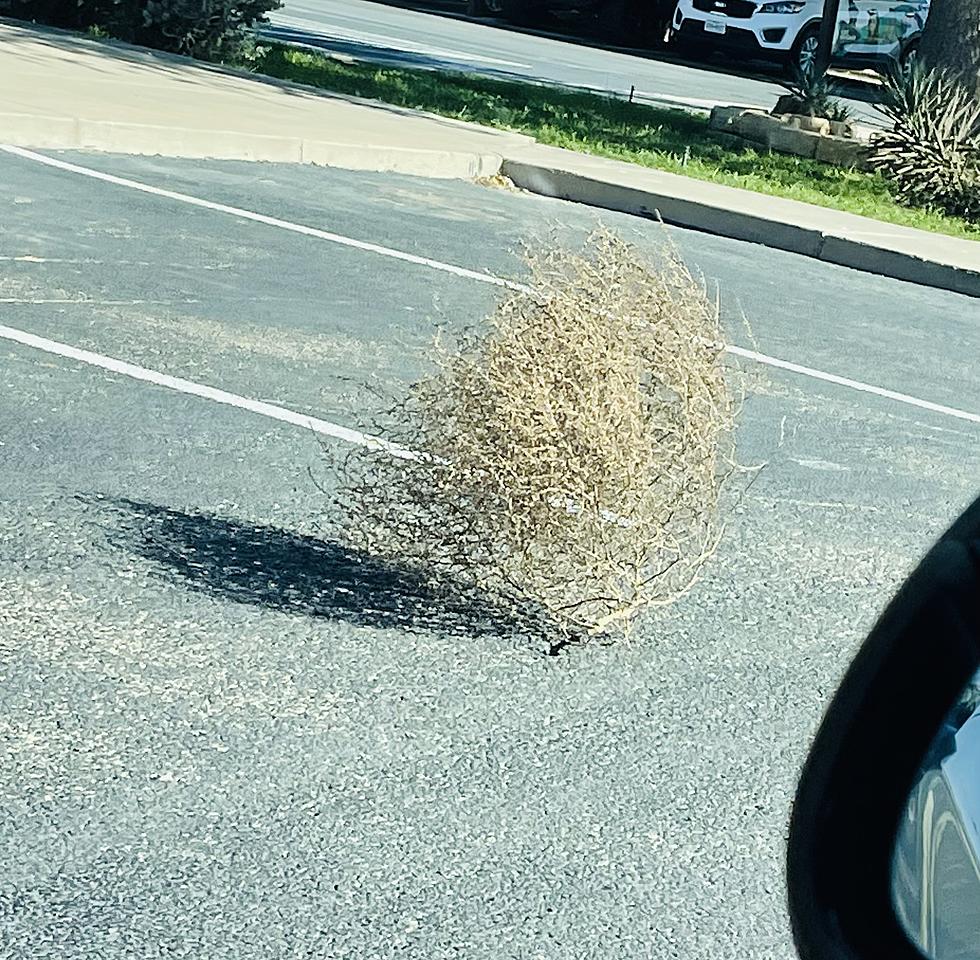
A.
pixel 222 736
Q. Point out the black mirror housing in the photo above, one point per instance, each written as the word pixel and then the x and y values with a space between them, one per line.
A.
pixel 863 764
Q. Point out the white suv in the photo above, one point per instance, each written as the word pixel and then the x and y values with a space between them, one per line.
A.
pixel 870 32
pixel 786 30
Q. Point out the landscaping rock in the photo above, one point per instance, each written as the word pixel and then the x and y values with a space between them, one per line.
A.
pixel 841 143
pixel 756 126
pixel 811 124
pixel 787 139
pixel 787 103
pixel 722 117
pixel 732 140
pixel 863 132
pixel 842 152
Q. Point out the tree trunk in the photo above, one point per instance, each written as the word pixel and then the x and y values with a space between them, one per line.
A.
pixel 951 39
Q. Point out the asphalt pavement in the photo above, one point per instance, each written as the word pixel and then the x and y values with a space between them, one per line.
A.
pixel 223 735
pixel 418 38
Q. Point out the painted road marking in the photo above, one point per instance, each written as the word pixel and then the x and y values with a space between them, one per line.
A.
pixel 323 33
pixel 698 103
pixel 208 393
pixel 268 221
pixel 43 301
pixel 488 278
pixel 853 384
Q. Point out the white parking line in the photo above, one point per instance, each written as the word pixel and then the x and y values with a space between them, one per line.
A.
pixel 853 384
pixel 43 301
pixel 379 41
pixel 463 272
pixel 208 393
pixel 268 221
pixel 698 102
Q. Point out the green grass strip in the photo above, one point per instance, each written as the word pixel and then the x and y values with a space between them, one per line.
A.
pixel 671 140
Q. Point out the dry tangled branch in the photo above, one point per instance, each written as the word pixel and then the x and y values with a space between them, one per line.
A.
pixel 572 450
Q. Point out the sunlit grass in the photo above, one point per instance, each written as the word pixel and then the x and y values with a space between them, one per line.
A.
pixel 670 140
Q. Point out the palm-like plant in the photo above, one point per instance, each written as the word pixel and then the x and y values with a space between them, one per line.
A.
pixel 810 94
pixel 932 154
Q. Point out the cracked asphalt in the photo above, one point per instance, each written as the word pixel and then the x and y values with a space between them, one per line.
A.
pixel 221 735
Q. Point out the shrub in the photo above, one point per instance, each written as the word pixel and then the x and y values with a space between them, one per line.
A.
pixel 932 154
pixel 571 452
pixel 208 29
pixel 809 95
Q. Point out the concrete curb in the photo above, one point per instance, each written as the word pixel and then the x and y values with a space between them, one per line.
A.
pixel 817 232
pixel 544 177
pixel 781 234
pixel 859 255
pixel 63 133
pixel 708 218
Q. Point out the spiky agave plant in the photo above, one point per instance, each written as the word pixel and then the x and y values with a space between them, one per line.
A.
pixel 932 154
pixel 811 94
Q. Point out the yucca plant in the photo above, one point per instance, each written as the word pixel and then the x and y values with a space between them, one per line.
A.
pixel 809 95
pixel 932 154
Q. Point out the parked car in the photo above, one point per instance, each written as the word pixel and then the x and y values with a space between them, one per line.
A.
pixel 783 30
pixel 875 33
pixel 630 22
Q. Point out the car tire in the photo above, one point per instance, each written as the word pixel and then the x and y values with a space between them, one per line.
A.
pixel 803 56
pixel 483 8
pixel 613 22
pixel 688 49
pixel 634 23
pixel 523 13
pixel 657 22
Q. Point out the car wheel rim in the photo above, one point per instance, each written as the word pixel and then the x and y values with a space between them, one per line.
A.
pixel 808 54
pixel 495 6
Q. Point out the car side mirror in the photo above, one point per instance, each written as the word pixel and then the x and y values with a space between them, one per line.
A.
pixel 867 830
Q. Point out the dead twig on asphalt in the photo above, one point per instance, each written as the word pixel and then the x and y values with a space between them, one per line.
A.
pixel 574 448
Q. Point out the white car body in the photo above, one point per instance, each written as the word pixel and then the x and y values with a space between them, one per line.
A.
pixel 870 32
pixel 747 25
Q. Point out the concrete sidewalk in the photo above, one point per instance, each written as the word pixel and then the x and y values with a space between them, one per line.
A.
pixel 61 91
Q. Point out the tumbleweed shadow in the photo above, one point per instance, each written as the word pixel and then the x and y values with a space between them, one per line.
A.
pixel 277 569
